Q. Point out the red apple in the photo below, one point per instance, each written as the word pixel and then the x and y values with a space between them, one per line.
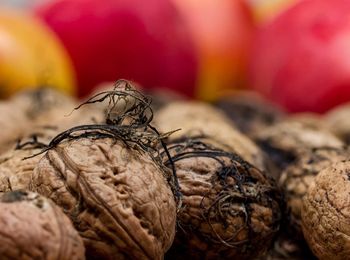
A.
pixel 222 32
pixel 145 41
pixel 301 60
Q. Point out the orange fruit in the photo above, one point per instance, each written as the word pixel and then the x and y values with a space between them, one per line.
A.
pixel 31 56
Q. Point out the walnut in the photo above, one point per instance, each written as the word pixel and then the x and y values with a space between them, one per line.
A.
pixel 325 213
pixel 338 118
pixel 285 141
pixel 116 195
pixel 231 210
pixel 297 177
pixel 249 112
pixel 310 120
pixel 32 227
pixel 43 112
pixel 49 108
pixel 15 173
pixel 161 97
pixel 14 125
pixel 198 119
pixel 43 104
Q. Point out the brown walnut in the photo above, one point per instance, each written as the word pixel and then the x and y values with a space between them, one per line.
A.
pixel 285 141
pixel 33 227
pixel 249 112
pixel 338 119
pixel 199 119
pixel 15 173
pixel 230 209
pixel 44 104
pixel 297 178
pixel 117 197
pixel 14 125
pixel 326 213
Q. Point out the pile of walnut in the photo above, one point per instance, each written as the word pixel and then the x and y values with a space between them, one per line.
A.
pixel 117 177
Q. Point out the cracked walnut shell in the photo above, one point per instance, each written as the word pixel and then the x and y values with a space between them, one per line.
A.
pixel 326 213
pixel 116 196
pixel 33 227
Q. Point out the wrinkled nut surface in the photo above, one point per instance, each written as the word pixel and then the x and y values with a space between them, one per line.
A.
pixel 338 118
pixel 230 209
pixel 249 112
pixel 33 227
pixel 14 125
pixel 297 177
pixel 117 198
pixel 15 173
pixel 326 213
pixel 197 119
pixel 286 140
pixel 43 105
pixel 49 108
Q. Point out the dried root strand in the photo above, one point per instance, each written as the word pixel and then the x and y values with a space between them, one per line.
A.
pixel 128 118
pixel 234 191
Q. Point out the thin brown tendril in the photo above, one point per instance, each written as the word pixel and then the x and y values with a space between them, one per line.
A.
pixel 128 118
pixel 235 194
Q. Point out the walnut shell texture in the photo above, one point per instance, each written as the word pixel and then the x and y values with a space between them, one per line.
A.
pixel 116 196
pixel 338 118
pixel 33 227
pixel 231 210
pixel 288 139
pixel 297 178
pixel 249 112
pixel 326 213
pixel 15 173
pixel 198 119
pixel 42 105
pixel 14 125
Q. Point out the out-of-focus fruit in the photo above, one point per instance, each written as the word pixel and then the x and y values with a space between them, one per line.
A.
pixel 301 59
pixel 31 55
pixel 222 32
pixel 146 42
pixel 265 10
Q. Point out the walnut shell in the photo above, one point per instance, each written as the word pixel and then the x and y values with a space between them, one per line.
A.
pixel 42 105
pixel 14 125
pixel 310 120
pixel 49 108
pixel 15 173
pixel 338 118
pixel 116 196
pixel 196 119
pixel 161 97
pixel 249 112
pixel 325 213
pixel 297 177
pixel 32 227
pixel 231 210
pixel 288 139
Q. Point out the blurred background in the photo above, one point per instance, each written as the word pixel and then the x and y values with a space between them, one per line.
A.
pixel 294 53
